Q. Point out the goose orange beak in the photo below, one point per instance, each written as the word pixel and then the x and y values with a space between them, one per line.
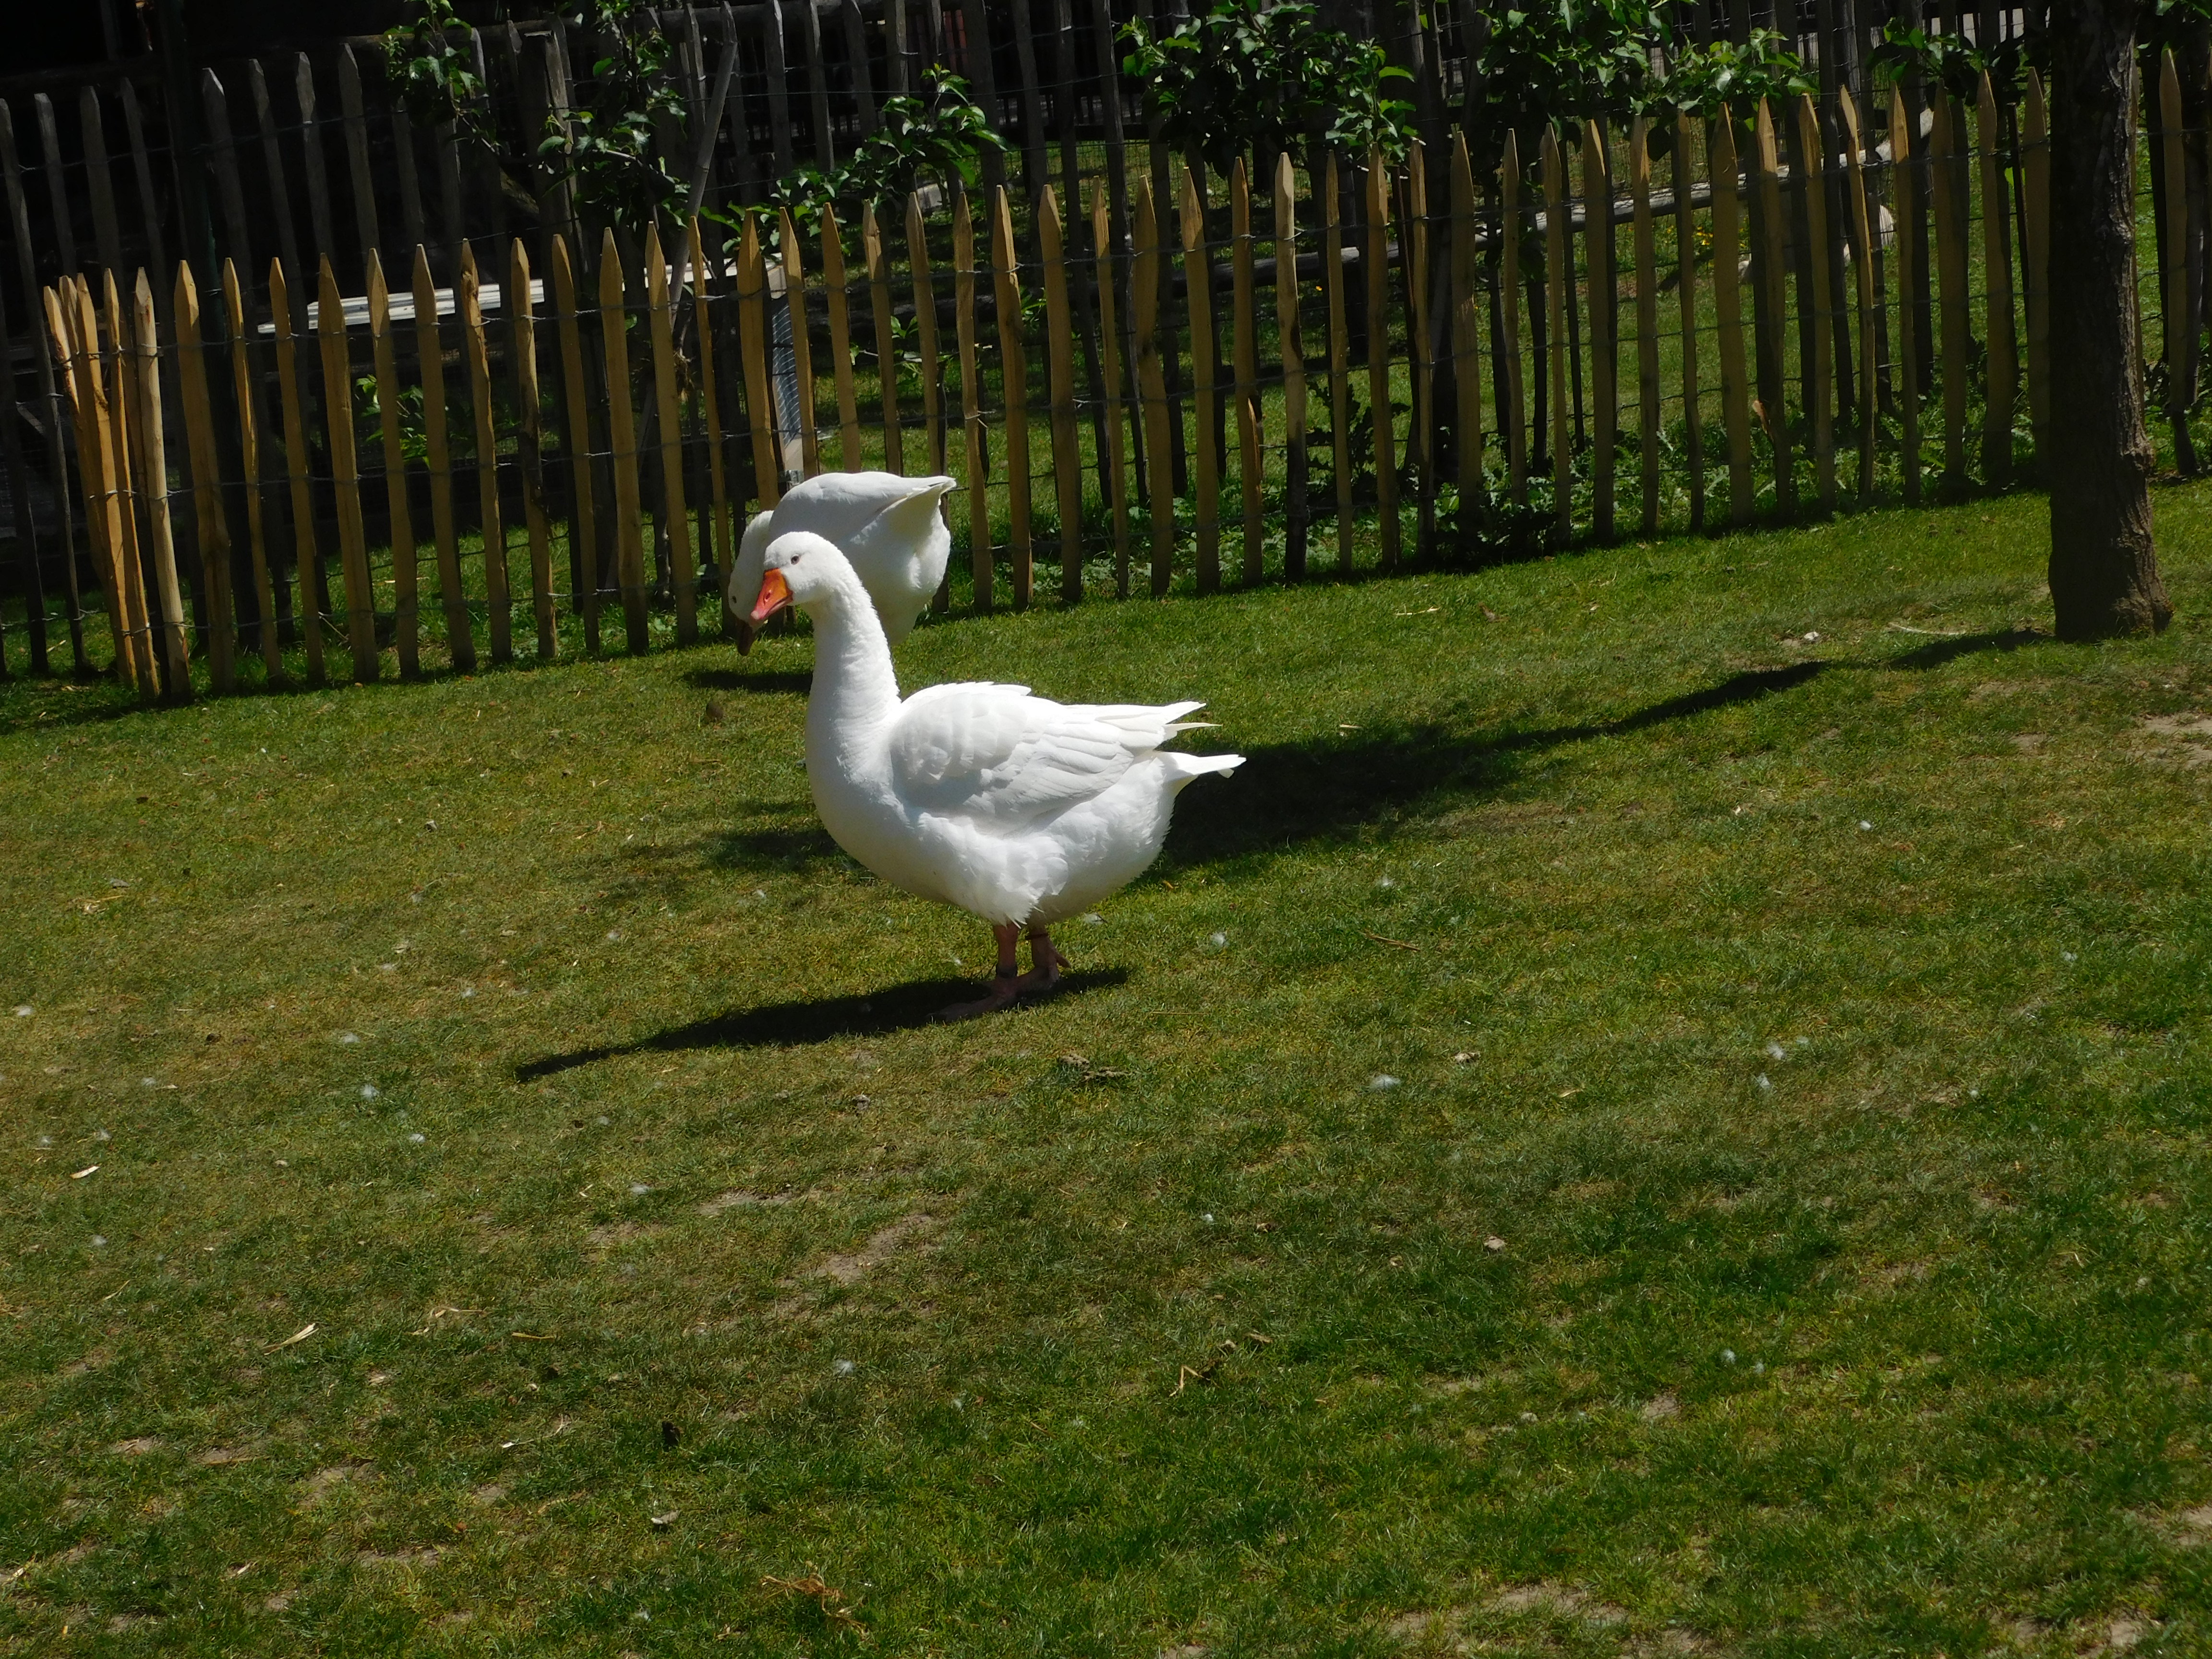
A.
pixel 775 594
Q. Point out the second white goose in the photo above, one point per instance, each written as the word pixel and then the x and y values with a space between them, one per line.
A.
pixel 888 526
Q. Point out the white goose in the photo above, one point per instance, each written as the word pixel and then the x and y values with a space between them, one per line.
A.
pixel 887 525
pixel 1018 810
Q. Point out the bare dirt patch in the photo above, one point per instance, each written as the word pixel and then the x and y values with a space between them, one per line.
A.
pixel 320 1484
pixel 1557 1602
pixel 882 1244
pixel 2184 739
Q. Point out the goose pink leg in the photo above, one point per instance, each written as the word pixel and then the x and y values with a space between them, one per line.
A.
pixel 1009 985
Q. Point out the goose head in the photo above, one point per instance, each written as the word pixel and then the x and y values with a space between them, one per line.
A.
pixel 746 576
pixel 805 572
pixel 882 519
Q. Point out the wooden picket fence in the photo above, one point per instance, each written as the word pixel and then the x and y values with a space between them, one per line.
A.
pixel 581 435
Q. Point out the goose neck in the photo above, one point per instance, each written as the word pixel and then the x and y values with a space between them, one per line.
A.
pixel 854 683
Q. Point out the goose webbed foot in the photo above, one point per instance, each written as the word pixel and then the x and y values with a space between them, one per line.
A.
pixel 1009 985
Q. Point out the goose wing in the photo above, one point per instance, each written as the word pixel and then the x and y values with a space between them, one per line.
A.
pixel 1003 759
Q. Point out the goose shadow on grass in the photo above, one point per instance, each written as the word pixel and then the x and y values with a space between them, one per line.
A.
pixel 797 1023
pixel 1306 791
pixel 1294 792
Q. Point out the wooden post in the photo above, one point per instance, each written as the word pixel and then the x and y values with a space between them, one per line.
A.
pixel 57 189
pixel 50 399
pixel 2036 262
pixel 1421 438
pixel 752 333
pixel 529 447
pixel 406 577
pixel 582 529
pixel 840 340
pixel 245 400
pixel 1508 311
pixel 1951 291
pixel 306 551
pixel 1293 349
pixel 145 382
pixel 1604 291
pixel 1685 173
pixel 1198 284
pixel 925 328
pixel 2179 326
pixel 1376 263
pixel 1555 295
pixel 1773 271
pixel 1467 322
pixel 1244 354
pixel 675 519
pixel 817 84
pixel 1059 344
pixel 498 602
pixel 75 328
pixel 207 483
pixel 1813 153
pixel 887 362
pixel 1862 268
pixel 345 474
pixel 722 551
pixel 279 194
pixel 311 149
pixel 802 344
pixel 408 162
pixel 1117 460
pixel 1996 278
pixel 1340 335
pixel 106 464
pixel 778 78
pixel 1909 285
pixel 430 359
pixel 122 483
pixel 621 430
pixel 971 401
pixel 1647 318
pixel 66 309
pixel 1014 377
pixel 357 169
pixel 1728 302
pixel 99 179
pixel 1151 385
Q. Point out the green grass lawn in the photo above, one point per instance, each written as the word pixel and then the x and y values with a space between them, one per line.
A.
pixel 1626 1128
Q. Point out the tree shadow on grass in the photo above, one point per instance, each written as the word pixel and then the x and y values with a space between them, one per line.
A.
pixel 814 1019
pixel 1936 652
pixel 1294 792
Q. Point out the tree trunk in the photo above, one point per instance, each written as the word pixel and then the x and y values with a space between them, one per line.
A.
pixel 2104 572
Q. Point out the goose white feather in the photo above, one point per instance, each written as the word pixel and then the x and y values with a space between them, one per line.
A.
pixel 889 528
pixel 1016 808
